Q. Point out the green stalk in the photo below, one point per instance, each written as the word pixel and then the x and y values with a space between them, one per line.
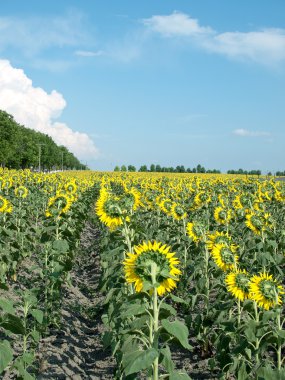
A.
pixel 155 317
pixel 279 344
pixel 257 342
pixel 239 312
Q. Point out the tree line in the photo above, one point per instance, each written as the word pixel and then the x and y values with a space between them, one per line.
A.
pixel 22 148
pixel 162 169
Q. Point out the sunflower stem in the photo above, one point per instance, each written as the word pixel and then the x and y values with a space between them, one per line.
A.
pixel 279 344
pixel 239 312
pixel 155 318
pixel 257 342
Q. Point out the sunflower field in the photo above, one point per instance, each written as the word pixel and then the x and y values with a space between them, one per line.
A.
pixel 191 265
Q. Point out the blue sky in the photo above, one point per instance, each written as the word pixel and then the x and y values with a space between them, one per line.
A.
pixel 163 82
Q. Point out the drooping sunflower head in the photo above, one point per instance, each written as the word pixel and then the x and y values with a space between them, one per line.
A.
pixel 202 198
pixel 265 291
pixel 255 223
pixel 219 238
pixel 5 206
pixel 238 284
pixel 152 265
pixel 108 210
pixel 243 201
pixel 225 256
pixel 222 215
pixel 165 205
pixel 58 205
pixel 197 231
pixel 21 192
pixel 178 212
pixel 259 222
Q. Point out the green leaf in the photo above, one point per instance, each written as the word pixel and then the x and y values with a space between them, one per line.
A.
pixel 60 246
pixel 179 376
pixel 19 365
pixel 178 330
pixel 136 361
pixel 178 299
pixel 133 310
pixel 166 359
pixel 166 306
pixel 36 336
pixel 14 324
pixel 267 373
pixel 7 306
pixel 38 315
pixel 6 355
pixel 242 374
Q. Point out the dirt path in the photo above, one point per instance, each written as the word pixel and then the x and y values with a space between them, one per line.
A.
pixel 75 351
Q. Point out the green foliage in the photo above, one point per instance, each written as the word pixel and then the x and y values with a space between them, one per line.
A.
pixel 19 148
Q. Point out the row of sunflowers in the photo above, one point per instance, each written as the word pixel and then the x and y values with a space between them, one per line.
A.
pixel 195 260
pixel 41 219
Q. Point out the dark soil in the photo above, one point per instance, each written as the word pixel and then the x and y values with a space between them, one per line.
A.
pixel 75 351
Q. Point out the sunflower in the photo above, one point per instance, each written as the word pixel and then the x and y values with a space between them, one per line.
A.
pixel 238 284
pixel 70 187
pixel 197 231
pixel 222 215
pixel 58 205
pixel 243 201
pixel 165 205
pixel 265 291
pixel 259 222
pixel 178 212
pixel 21 192
pixel 5 205
pixel 138 265
pixel 280 196
pixel 225 256
pixel 219 237
pixel 108 210
pixel 223 199
pixel 202 198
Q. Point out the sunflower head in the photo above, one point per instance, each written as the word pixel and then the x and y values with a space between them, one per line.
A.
pixel 165 205
pixel 5 206
pixel 58 205
pixel 152 265
pixel 238 284
pixel 70 187
pixel 222 215
pixel 178 212
pixel 21 192
pixel 225 256
pixel 197 231
pixel 265 291
pixel 219 238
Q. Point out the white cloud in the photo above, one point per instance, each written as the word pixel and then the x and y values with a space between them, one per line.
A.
pixel 35 108
pixel 246 133
pixel 176 24
pixel 32 35
pixel 88 53
pixel 265 46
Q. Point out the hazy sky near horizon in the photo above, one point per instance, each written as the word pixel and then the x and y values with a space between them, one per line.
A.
pixel 141 82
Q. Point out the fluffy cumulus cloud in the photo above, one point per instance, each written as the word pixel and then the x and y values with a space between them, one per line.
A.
pixel 265 46
pixel 246 133
pixel 36 109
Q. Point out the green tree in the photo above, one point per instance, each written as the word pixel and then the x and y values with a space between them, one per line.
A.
pixel 131 168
